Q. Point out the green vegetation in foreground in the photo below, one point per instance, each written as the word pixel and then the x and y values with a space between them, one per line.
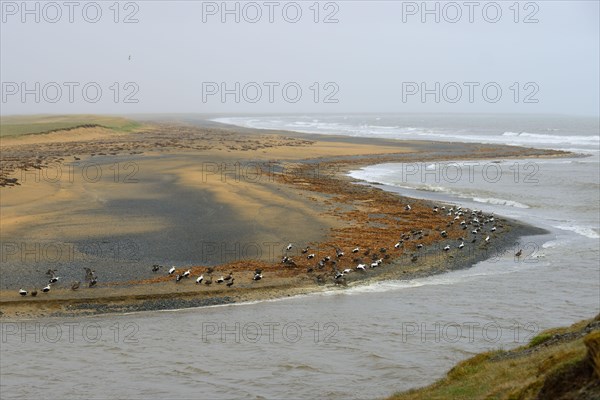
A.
pixel 562 363
pixel 39 124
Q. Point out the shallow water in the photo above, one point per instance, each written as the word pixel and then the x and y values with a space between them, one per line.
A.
pixel 365 342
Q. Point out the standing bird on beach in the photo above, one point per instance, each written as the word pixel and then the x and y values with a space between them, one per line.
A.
pixel 178 278
pixel 229 277
pixel 89 274
pixel 230 283
pixel 199 279
pixel 221 279
pixel 518 253
pixel 155 267
pixel 289 247
pixel 208 280
pixel 186 274
pixel 257 276
pixel 22 292
pixel 54 279
pixel 46 289
pixel 408 207
pixel 93 282
pixel 172 270
pixel 461 245
pixel 33 293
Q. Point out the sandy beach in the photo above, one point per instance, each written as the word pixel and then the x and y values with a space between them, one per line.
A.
pixel 201 195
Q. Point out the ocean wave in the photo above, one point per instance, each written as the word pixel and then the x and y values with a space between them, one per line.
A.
pixel 580 230
pixel 500 202
pixel 573 139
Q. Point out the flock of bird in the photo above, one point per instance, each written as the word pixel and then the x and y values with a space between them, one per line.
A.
pixel 90 278
pixel 228 280
pixel 478 223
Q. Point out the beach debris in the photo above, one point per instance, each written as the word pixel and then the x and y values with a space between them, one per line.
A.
pixel 414 258
pixel 75 285
pixel 46 289
pixel 33 293
pixel 210 270
pixel 51 272
pixel 22 292
pixel 208 280
pixel 199 279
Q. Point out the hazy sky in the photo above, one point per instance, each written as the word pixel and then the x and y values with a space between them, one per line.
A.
pixel 377 57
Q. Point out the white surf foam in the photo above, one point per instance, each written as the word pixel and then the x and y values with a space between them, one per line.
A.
pixel 580 230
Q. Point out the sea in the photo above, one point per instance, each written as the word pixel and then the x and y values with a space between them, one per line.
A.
pixel 372 340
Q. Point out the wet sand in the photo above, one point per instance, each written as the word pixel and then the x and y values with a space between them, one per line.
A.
pixel 199 195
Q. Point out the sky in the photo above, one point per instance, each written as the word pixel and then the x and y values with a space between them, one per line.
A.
pixel 300 57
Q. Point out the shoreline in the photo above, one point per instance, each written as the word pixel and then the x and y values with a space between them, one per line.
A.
pixel 351 205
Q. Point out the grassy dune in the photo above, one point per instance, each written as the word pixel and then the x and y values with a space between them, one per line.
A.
pixel 561 363
pixel 39 124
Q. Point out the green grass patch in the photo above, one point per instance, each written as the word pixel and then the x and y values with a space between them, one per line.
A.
pixel 40 124
pixel 539 339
